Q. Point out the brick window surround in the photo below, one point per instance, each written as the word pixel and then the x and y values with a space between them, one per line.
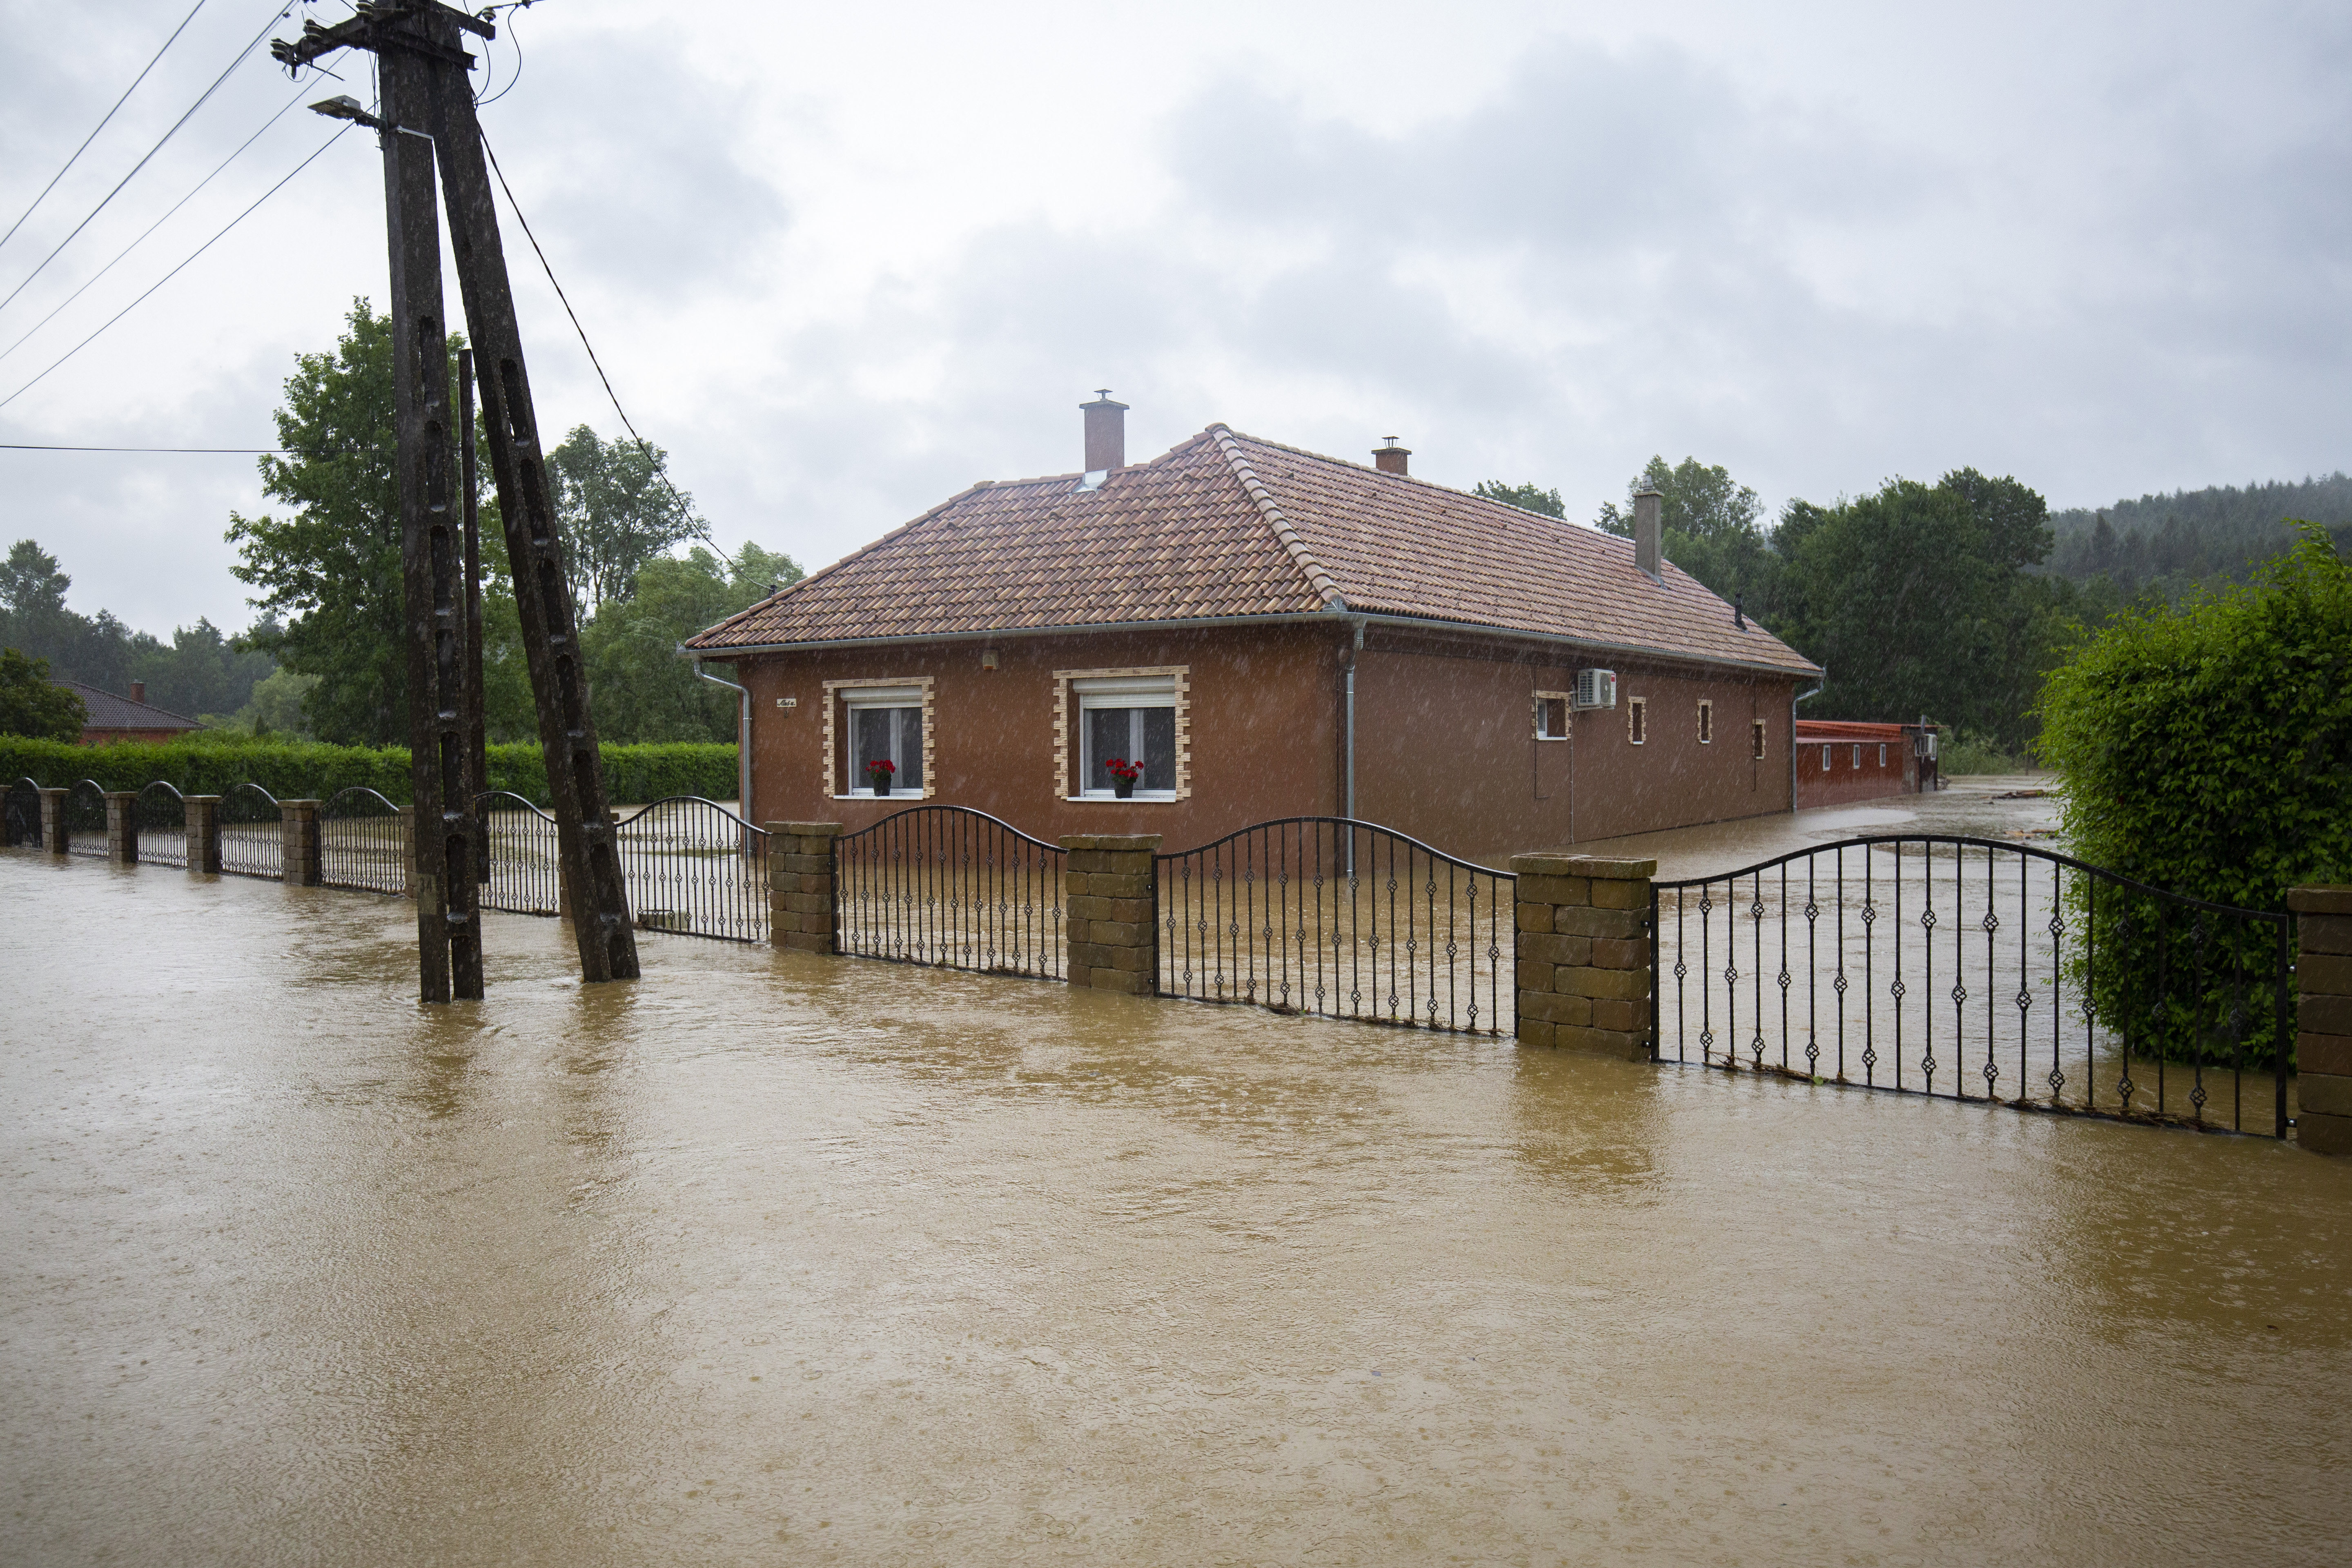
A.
pixel 833 740
pixel 1542 707
pixel 1066 731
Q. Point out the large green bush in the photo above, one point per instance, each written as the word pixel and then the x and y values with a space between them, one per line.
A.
pixel 306 769
pixel 2208 751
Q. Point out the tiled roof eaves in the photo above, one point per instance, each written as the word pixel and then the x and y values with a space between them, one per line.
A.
pixel 697 639
pixel 1561 639
pixel 1310 568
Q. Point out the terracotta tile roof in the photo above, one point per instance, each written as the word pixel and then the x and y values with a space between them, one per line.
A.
pixel 108 711
pixel 1815 730
pixel 1228 525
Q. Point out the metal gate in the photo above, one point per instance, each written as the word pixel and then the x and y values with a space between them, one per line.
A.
pixel 693 866
pixel 85 819
pixel 1970 969
pixel 24 814
pixel 252 832
pixel 1342 918
pixel 160 816
pixel 363 842
pixel 950 887
pixel 518 849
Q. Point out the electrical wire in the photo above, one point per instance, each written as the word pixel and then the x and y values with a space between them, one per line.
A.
pixel 85 141
pixel 513 37
pixel 151 227
pixel 229 451
pixel 276 15
pixel 698 529
pixel 176 270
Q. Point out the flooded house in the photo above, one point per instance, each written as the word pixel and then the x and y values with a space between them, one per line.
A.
pixel 1840 761
pixel 1238 630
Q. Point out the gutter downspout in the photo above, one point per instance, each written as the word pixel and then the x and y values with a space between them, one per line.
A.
pixel 1794 700
pixel 1347 743
pixel 742 733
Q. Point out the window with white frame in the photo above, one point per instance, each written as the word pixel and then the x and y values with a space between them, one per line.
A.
pixel 1130 720
pixel 882 724
pixel 1857 759
pixel 1825 759
pixel 1882 754
pixel 1706 723
pixel 1551 715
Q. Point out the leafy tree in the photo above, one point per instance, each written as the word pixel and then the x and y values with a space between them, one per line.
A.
pixel 2170 544
pixel 201 668
pixel 32 706
pixel 618 511
pixel 1527 498
pixel 1700 501
pixel 642 689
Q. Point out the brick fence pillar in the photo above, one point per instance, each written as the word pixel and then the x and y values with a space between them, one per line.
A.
pixel 2323 1041
pixel 800 885
pixel 1583 950
pixel 122 826
pixel 299 845
pixel 203 815
pixel 53 819
pixel 1110 900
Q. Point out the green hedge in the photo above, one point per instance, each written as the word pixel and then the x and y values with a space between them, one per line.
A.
pixel 309 770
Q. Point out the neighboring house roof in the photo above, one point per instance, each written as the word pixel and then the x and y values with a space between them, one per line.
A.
pixel 1819 730
pixel 1225 525
pixel 108 711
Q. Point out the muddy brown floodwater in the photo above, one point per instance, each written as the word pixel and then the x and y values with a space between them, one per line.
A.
pixel 771 1258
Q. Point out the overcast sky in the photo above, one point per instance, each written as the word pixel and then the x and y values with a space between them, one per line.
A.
pixel 844 260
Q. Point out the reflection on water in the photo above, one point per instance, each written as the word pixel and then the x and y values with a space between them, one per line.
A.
pixel 767 1257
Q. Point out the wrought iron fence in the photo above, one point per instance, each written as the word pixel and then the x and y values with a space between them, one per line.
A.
pixel 160 816
pixel 85 819
pixel 948 886
pixel 519 852
pixel 1970 969
pixel 252 832
pixel 1344 919
pixel 23 815
pixel 694 867
pixel 363 842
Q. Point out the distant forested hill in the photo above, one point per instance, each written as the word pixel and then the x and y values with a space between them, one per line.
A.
pixel 2173 543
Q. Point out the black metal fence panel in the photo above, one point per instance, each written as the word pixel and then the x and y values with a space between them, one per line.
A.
pixel 363 842
pixel 693 866
pixel 1970 969
pixel 161 818
pixel 525 876
pixel 1343 919
pixel 252 832
pixel 84 821
pixel 23 815
pixel 948 886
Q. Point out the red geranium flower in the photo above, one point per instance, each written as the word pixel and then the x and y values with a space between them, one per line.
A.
pixel 881 765
pixel 1120 768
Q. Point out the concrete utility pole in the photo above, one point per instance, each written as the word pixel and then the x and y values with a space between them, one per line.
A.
pixel 428 102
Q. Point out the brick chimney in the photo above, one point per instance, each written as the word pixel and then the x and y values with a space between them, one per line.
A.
pixel 138 691
pixel 1649 529
pixel 1105 433
pixel 1390 458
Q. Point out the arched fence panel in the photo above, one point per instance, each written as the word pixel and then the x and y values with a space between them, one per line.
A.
pixel 161 814
pixel 1970 969
pixel 524 869
pixel 85 819
pixel 363 842
pixel 691 865
pixel 23 815
pixel 950 887
pixel 252 832
pixel 1342 918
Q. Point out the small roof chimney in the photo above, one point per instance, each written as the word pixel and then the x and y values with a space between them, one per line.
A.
pixel 138 691
pixel 1105 433
pixel 1390 458
pixel 1649 529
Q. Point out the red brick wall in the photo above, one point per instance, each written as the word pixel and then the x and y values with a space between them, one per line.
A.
pixel 1844 782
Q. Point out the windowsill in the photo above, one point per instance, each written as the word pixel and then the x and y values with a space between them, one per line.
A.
pixel 1141 797
pixel 1551 737
pixel 893 795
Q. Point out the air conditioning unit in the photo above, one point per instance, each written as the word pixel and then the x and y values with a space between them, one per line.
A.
pixel 1596 688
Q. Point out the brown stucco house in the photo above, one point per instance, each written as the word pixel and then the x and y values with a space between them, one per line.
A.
pixel 1270 633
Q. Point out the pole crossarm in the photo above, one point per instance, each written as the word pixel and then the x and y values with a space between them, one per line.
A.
pixel 368 31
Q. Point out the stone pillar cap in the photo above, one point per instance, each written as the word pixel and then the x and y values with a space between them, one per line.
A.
pixel 1607 870
pixel 804 829
pixel 2325 899
pixel 1126 842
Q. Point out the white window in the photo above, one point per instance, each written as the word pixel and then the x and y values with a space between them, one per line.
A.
pixel 1825 759
pixel 882 724
pixel 1551 715
pixel 1882 754
pixel 1637 720
pixel 1129 721
pixel 1857 758
pixel 1707 724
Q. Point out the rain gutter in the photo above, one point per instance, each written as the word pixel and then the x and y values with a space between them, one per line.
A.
pixel 742 733
pixel 1794 700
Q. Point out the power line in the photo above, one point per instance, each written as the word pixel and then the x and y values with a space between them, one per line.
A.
pixel 176 270
pixel 85 141
pixel 699 531
pixel 151 227
pixel 229 451
pixel 276 15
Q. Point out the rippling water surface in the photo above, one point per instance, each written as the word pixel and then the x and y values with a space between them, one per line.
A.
pixel 776 1259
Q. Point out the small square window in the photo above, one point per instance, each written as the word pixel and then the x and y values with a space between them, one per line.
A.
pixel 880 724
pixel 1637 720
pixel 1756 740
pixel 1551 717
pixel 1707 724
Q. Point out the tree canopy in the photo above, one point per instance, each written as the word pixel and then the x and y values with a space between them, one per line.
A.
pixel 32 705
pixel 201 669
pixel 642 689
pixel 618 511
pixel 1527 498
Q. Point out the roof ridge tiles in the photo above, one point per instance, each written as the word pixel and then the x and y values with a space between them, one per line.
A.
pixel 1263 498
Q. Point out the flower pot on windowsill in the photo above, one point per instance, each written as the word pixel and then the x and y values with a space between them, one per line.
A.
pixel 881 782
pixel 1124 789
